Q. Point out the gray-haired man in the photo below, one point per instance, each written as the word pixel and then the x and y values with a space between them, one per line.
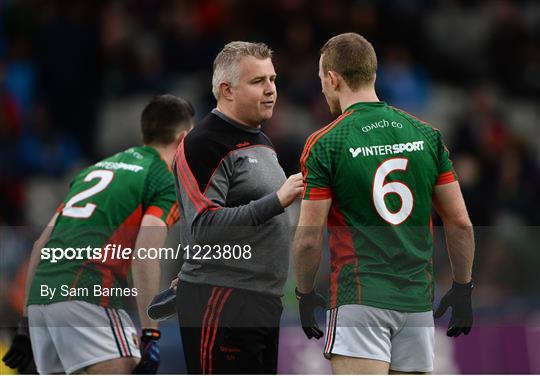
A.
pixel 235 234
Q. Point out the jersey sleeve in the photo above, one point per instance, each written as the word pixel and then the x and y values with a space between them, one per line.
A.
pixel 315 167
pixel 71 192
pixel 446 173
pixel 160 195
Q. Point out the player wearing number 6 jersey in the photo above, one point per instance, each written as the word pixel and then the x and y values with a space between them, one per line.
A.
pixel 374 174
pixel 75 316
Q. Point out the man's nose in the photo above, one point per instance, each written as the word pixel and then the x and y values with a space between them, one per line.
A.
pixel 269 88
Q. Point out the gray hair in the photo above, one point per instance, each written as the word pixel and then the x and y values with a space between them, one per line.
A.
pixel 226 67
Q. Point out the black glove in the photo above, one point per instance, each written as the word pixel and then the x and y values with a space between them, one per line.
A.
pixel 459 298
pixel 149 352
pixel 20 355
pixel 307 304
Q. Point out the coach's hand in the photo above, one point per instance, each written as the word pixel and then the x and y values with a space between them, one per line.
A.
pixel 20 354
pixel 173 285
pixel 459 298
pixel 150 357
pixel 307 304
pixel 290 190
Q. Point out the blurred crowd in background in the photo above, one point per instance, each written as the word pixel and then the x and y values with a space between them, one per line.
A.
pixel 74 76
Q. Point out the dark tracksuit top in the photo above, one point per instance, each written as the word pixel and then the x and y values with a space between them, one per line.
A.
pixel 227 176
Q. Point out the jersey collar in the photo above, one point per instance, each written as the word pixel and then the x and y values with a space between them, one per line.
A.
pixel 234 123
pixel 151 150
pixel 358 106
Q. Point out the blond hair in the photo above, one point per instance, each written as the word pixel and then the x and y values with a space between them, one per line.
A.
pixel 353 57
pixel 226 63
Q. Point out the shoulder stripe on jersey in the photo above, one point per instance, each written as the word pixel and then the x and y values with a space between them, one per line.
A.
pixel 180 176
pixel 312 138
pixel 316 137
pixel 182 180
pixel 207 204
pixel 314 134
pixel 201 202
pixel 173 215
pixel 168 218
pixel 176 157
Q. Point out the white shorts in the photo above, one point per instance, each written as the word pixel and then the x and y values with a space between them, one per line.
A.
pixel 68 336
pixel 405 340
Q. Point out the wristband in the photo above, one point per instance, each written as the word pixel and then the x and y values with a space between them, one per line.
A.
pixel 151 334
pixel 300 295
pixel 463 286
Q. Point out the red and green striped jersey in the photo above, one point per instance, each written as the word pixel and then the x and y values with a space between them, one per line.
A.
pixel 104 209
pixel 379 165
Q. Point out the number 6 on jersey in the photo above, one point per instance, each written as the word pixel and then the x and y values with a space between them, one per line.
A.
pixel 380 190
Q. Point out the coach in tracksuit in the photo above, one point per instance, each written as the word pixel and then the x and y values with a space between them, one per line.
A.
pixel 235 233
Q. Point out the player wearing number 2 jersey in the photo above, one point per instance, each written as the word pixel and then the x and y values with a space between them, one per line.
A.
pixel 78 272
pixel 374 174
pixel 93 215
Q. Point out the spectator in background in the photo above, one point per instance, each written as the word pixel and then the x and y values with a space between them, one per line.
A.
pixel 45 150
pixel 68 86
pixel 402 83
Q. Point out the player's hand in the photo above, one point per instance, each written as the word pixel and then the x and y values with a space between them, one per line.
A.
pixel 290 190
pixel 150 357
pixel 20 355
pixel 307 304
pixel 459 298
pixel 174 283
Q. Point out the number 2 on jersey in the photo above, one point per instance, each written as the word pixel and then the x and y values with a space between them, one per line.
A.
pixel 70 210
pixel 380 190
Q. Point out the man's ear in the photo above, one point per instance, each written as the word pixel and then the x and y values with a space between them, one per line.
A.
pixel 181 136
pixel 225 91
pixel 334 79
